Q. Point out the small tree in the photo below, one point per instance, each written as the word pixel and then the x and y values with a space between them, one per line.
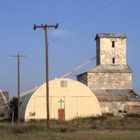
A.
pixel 13 104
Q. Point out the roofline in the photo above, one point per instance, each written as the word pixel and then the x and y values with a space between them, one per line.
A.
pixel 108 72
pixel 90 71
pixel 110 35
pixel 81 73
pixel 98 72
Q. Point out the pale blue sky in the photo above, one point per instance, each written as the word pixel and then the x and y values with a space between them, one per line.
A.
pixel 70 45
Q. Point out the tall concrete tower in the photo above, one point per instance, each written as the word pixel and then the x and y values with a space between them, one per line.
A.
pixel 111 71
pixel 111 49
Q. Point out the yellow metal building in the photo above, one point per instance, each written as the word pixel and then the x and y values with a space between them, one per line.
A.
pixel 68 99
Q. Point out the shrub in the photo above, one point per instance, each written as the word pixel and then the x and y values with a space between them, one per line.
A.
pixel 99 118
pixel 2 114
pixel 27 128
pixel 132 115
pixel 63 129
pixel 18 130
pixel 94 127
pixel 109 125
pixel 108 114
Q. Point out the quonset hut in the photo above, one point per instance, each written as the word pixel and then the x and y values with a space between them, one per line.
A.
pixel 68 99
pixel 111 79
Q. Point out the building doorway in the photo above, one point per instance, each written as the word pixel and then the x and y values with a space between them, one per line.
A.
pixel 61 115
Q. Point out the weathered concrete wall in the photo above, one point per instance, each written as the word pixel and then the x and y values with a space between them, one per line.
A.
pixel 105 51
pixel 132 107
pixel 111 107
pixel 118 108
pixel 109 81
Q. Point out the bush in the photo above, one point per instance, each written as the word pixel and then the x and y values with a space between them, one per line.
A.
pixel 132 115
pixel 18 130
pixel 99 118
pixel 63 129
pixel 94 127
pixel 32 121
pixel 2 114
pixel 109 125
pixel 108 114
pixel 27 128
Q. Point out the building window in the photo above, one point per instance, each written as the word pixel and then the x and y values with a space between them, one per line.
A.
pixel 120 111
pixel 63 83
pixel 113 60
pixel 113 44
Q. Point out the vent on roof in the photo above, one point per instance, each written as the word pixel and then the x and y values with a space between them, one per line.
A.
pixel 63 83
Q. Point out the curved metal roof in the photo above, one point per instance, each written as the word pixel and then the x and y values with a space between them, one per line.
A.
pixel 24 98
pixel 57 88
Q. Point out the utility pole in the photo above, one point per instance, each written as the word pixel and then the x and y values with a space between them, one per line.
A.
pixel 18 56
pixel 45 27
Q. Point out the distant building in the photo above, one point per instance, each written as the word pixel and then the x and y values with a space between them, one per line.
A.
pixel 68 99
pixel 111 79
pixel 4 98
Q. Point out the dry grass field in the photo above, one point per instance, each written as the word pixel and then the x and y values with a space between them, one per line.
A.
pixel 106 127
pixel 78 135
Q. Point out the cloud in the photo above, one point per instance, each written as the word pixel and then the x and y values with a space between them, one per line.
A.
pixel 59 33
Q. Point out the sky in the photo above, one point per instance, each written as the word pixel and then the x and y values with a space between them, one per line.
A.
pixel 70 45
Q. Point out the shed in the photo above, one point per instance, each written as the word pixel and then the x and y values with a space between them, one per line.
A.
pixel 68 99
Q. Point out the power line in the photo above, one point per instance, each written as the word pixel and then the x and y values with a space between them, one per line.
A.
pixel 79 67
pixel 85 21
pixel 75 29
pixel 63 10
pixel 53 11
pixel 66 19
pixel 91 17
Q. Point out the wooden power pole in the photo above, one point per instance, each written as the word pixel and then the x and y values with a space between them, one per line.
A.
pixel 18 56
pixel 45 28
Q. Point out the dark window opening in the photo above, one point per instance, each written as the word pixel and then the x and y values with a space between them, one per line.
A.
pixel 120 111
pixel 124 111
pixel 113 60
pixel 113 44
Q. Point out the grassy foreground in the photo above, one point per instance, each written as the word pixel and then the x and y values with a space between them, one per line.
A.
pixel 78 135
pixel 90 128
